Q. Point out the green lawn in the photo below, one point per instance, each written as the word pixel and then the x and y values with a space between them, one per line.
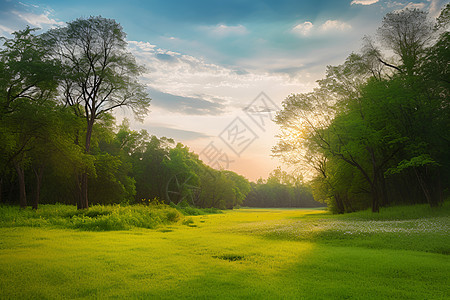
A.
pixel 245 253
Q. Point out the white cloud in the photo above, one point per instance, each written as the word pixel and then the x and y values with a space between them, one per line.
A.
pixel 222 30
pixel 37 20
pixel 307 28
pixel 5 30
pixel 399 6
pixel 29 5
pixel 303 28
pixel 145 46
pixel 364 2
pixel 435 7
pixel 335 25
pixel 188 76
pixel 412 5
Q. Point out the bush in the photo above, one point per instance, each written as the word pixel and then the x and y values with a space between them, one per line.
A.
pixel 97 218
pixel 187 210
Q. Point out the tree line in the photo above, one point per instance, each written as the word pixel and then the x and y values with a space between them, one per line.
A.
pixel 376 131
pixel 281 189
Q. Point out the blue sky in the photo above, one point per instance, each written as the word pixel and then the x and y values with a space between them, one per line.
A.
pixel 208 60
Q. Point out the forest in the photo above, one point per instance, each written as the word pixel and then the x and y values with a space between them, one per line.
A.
pixel 374 133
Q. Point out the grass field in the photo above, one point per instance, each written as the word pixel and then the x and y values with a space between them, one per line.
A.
pixel 401 253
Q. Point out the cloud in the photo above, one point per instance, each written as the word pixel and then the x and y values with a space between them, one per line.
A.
pixel 38 20
pixel 166 57
pixel 189 85
pixel 399 6
pixel 144 46
pixel 186 105
pixel 175 133
pixel 222 30
pixel 5 30
pixel 434 8
pixel 303 28
pixel 411 5
pixel 364 2
pixel 28 5
pixel 180 74
pixel 335 25
pixel 307 28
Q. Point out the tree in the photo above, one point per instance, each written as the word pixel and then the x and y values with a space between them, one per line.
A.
pixel 99 75
pixel 217 190
pixel 241 187
pixel 181 167
pixel 407 33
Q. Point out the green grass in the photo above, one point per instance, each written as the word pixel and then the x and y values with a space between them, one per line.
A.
pixel 240 254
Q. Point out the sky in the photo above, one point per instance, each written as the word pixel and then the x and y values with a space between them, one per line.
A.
pixel 217 71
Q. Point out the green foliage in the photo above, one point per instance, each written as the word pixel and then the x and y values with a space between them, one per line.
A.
pixel 154 202
pixel 188 221
pixel 97 218
pixel 418 161
pixel 188 210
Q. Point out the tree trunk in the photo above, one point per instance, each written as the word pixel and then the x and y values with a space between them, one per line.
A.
pixel 375 194
pixel 384 193
pixel 84 191
pixel 375 198
pixel 38 172
pixel 22 191
pixel 84 201
pixel 374 184
pixel 424 187
pixel 78 191
pixel 339 204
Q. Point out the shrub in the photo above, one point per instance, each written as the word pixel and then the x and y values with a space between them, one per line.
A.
pixel 188 221
pixel 97 218
pixel 188 210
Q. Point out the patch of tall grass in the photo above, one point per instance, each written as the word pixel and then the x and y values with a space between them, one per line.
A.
pixel 188 210
pixel 96 218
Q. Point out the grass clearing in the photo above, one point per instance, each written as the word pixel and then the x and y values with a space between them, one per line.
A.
pixel 240 254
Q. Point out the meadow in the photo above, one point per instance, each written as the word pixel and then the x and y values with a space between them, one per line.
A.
pixel 400 253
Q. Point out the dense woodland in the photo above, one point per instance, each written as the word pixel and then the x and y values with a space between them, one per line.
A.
pixel 376 132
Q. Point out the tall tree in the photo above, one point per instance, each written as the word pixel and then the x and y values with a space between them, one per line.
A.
pixel 99 75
